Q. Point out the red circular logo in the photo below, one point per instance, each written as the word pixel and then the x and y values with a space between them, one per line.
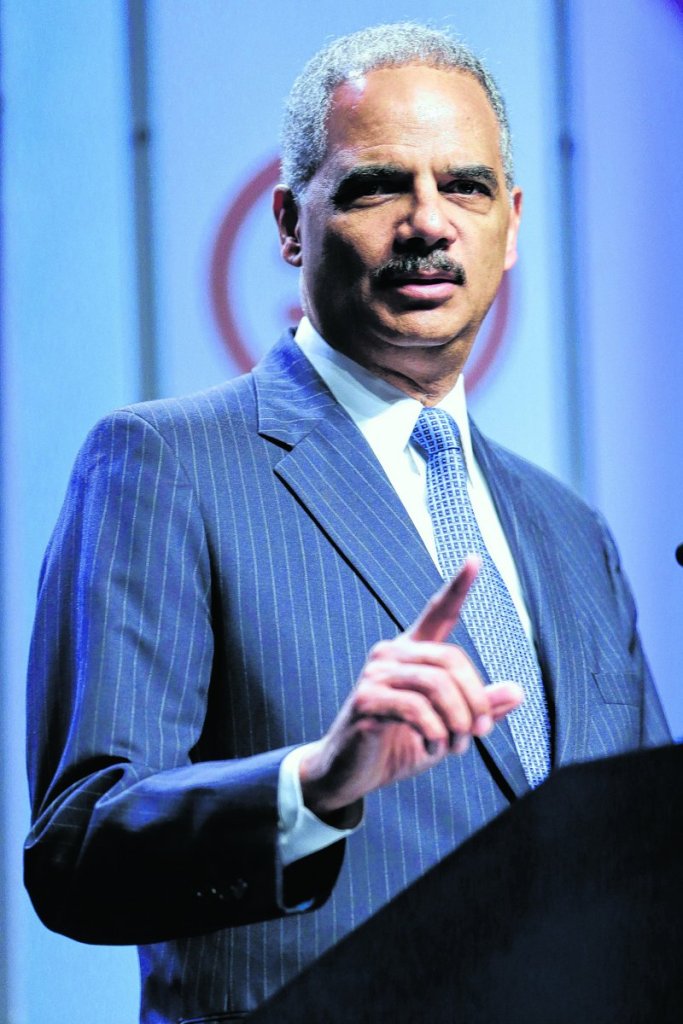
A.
pixel 242 299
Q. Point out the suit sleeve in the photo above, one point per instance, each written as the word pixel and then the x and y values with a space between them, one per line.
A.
pixel 654 727
pixel 133 839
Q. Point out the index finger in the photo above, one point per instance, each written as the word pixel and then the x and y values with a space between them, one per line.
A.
pixel 443 610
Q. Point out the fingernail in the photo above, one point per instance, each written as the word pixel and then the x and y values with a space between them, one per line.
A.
pixel 431 746
pixel 459 744
pixel 482 725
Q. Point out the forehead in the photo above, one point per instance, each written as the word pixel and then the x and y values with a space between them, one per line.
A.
pixel 413 113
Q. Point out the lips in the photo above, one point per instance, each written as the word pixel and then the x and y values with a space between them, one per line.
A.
pixel 424 277
pixel 424 287
pixel 420 280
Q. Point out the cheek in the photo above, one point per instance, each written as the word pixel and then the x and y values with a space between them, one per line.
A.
pixel 491 249
pixel 347 257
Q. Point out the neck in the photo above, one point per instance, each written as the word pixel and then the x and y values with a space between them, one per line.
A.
pixel 424 372
pixel 429 389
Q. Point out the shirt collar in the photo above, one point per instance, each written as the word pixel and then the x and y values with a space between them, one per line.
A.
pixel 385 414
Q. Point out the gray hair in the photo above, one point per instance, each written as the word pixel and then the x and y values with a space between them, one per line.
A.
pixel 304 127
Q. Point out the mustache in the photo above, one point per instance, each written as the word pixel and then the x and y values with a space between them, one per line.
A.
pixel 411 263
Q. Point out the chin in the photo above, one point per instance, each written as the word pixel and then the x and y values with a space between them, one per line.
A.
pixel 423 334
pixel 423 328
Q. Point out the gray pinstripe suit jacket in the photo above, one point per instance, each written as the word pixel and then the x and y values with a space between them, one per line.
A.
pixel 221 567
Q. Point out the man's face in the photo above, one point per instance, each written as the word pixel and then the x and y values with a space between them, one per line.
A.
pixel 405 229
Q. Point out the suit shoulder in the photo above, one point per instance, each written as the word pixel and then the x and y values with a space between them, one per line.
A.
pixel 231 400
pixel 195 419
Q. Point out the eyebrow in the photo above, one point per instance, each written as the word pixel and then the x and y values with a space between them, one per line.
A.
pixel 482 172
pixel 365 173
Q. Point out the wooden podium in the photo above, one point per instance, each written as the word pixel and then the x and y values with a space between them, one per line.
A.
pixel 567 909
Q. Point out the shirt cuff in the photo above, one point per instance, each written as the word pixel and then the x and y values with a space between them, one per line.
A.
pixel 301 832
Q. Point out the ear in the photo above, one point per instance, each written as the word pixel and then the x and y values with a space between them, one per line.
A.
pixel 286 214
pixel 515 217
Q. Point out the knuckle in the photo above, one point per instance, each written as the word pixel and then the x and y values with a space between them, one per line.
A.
pixel 402 645
pixel 461 723
pixel 436 681
pixel 380 650
pixel 372 673
pixel 457 658
pixel 362 700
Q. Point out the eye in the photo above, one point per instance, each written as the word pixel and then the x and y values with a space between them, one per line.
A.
pixel 362 189
pixel 376 187
pixel 468 187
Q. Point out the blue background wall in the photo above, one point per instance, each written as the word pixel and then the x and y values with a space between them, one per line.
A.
pixel 129 131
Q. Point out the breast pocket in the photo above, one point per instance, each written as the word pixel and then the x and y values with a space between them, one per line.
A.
pixel 616 714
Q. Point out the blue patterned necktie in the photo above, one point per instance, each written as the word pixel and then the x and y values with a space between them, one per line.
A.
pixel 489 613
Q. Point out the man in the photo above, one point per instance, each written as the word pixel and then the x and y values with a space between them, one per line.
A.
pixel 242 572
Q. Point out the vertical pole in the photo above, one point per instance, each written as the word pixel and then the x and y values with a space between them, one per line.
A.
pixel 574 346
pixel 142 196
pixel 5 873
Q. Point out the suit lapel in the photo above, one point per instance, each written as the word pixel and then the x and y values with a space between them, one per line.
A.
pixel 333 472
pixel 554 611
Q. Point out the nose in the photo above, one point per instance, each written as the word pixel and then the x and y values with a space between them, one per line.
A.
pixel 428 221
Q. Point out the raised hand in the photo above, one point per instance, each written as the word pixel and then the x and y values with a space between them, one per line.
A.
pixel 417 699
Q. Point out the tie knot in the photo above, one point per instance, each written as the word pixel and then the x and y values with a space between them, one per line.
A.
pixel 436 431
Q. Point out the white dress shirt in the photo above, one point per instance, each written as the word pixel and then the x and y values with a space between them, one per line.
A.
pixel 386 417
